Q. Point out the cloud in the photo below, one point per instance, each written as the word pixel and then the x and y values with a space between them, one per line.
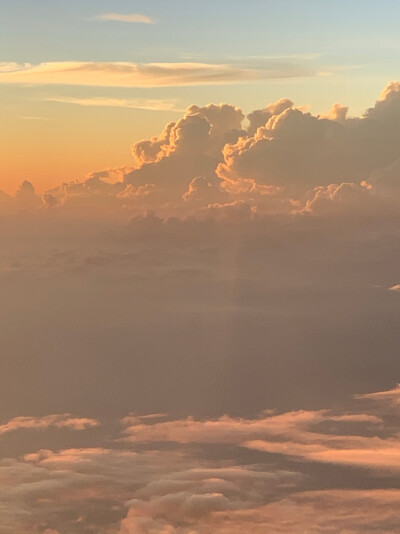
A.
pixel 191 487
pixel 111 491
pixel 293 434
pixel 284 161
pixel 189 148
pixel 48 421
pixel 36 118
pixel 395 288
pixel 126 74
pixel 299 151
pixel 130 103
pixel 390 397
pixel 24 200
pixel 223 430
pixel 234 267
pixel 132 17
pixel 344 511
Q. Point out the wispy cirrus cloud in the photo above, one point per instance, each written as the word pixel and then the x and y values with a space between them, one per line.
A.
pixel 129 17
pixel 128 74
pixel 130 103
pixel 32 118
pixel 391 397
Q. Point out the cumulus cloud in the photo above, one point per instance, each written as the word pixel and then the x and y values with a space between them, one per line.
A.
pixel 185 151
pixel 26 197
pixel 283 161
pixel 289 147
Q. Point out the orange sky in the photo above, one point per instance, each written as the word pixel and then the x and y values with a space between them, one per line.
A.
pixel 70 142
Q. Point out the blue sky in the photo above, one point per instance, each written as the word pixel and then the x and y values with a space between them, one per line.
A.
pixel 59 30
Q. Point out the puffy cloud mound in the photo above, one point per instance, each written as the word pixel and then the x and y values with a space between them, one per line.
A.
pixel 298 150
pixel 284 160
pixel 186 149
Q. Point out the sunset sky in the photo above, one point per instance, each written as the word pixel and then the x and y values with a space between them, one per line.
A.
pixel 199 267
pixel 61 127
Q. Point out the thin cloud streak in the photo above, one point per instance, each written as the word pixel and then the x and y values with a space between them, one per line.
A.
pixel 46 422
pixel 132 17
pixel 26 118
pixel 127 74
pixel 129 103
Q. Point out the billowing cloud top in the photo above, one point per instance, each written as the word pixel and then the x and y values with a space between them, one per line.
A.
pixel 281 160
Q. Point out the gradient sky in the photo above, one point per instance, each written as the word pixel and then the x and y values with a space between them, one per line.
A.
pixel 332 50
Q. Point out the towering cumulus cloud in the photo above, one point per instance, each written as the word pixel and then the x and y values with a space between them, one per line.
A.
pixel 285 153
pixel 206 341
pixel 282 159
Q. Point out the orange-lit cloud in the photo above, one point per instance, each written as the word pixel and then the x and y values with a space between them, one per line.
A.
pixel 132 17
pixel 390 397
pixel 130 103
pixel 294 434
pixel 125 74
pixel 283 161
pixel 183 489
pixel 48 421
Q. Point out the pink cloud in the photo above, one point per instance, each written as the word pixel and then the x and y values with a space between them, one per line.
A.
pixel 48 421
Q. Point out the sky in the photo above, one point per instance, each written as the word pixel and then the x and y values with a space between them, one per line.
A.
pixel 199 267
pixel 313 52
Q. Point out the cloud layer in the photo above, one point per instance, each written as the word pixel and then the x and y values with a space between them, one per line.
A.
pixel 189 487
